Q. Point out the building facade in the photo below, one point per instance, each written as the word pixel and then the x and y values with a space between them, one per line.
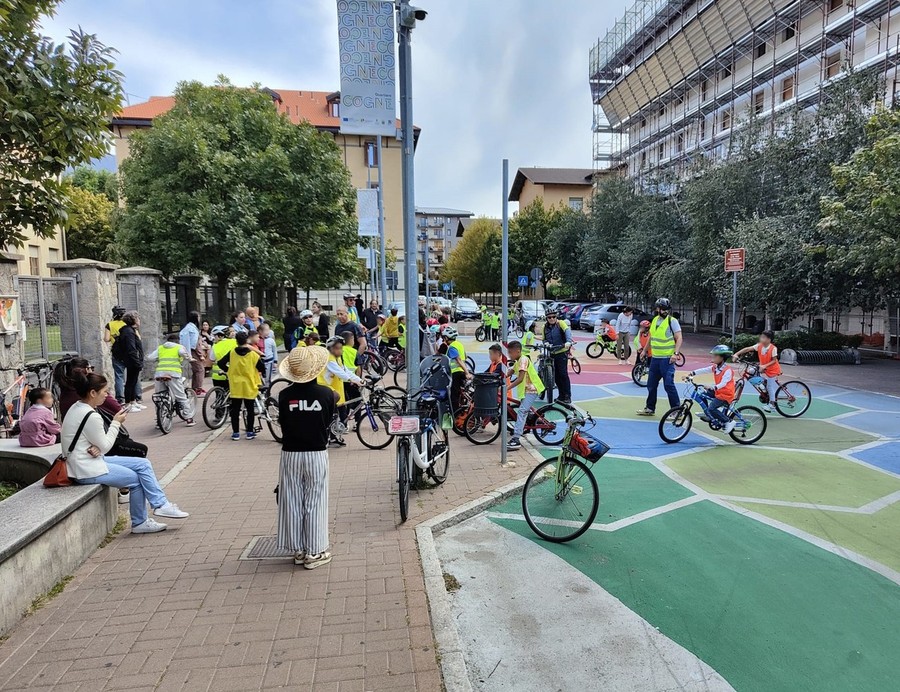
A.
pixel 567 187
pixel 673 80
pixel 37 253
pixel 436 237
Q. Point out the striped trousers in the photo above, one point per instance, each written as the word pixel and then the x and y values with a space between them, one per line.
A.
pixel 303 502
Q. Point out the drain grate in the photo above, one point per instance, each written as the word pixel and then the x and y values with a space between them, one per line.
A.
pixel 264 548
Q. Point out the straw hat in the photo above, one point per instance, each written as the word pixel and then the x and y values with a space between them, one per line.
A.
pixel 303 364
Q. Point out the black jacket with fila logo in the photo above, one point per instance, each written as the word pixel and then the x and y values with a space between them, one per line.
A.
pixel 305 412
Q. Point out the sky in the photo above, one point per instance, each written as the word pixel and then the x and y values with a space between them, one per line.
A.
pixel 492 79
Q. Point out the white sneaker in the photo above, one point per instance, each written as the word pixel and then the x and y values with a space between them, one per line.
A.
pixel 170 511
pixel 313 561
pixel 124 497
pixel 149 526
pixel 768 409
pixel 300 557
pixel 728 427
pixel 137 407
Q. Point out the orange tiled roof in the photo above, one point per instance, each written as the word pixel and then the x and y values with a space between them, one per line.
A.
pixel 300 106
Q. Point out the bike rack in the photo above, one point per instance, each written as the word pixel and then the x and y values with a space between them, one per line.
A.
pixel 847 356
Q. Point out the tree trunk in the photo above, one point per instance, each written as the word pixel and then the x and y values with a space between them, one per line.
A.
pixel 222 298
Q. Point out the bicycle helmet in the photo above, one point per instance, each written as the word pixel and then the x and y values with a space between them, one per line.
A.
pixel 721 350
pixel 551 313
pixel 221 330
pixel 435 329
pixel 663 304
pixel 450 333
pixel 118 311
pixel 529 325
pixel 334 340
pixel 645 323
pixel 305 314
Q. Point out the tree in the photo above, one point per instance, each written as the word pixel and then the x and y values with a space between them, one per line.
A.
pixel 531 233
pixel 89 231
pixel 96 180
pixel 55 105
pixel 225 185
pixel 474 264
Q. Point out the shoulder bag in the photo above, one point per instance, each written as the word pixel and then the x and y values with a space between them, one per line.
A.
pixel 58 475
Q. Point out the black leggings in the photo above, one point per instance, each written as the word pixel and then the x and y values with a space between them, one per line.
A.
pixel 457 381
pixel 236 414
pixel 132 384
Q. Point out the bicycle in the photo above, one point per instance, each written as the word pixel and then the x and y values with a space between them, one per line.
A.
pixel 561 497
pixel 422 445
pixel 543 422
pixel 573 361
pixel 750 422
pixel 641 369
pixel 546 370
pixel 374 407
pixel 217 404
pixel 167 407
pixel 481 333
pixel 792 398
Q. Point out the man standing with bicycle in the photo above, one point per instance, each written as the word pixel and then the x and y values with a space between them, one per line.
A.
pixel 665 344
pixel 558 336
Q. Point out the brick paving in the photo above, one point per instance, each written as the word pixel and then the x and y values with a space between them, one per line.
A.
pixel 180 611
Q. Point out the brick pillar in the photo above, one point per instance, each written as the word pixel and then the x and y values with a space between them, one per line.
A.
pixel 96 291
pixel 12 348
pixel 148 296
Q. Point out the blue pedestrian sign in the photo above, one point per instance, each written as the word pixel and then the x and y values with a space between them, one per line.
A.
pixel 523 282
pixel 446 287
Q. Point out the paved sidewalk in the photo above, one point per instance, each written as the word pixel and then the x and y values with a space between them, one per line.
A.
pixel 180 611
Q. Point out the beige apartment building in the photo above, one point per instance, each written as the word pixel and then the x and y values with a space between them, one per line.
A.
pixel 37 253
pixel 568 187
pixel 320 109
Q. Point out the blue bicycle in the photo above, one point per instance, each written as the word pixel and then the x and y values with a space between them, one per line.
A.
pixel 749 422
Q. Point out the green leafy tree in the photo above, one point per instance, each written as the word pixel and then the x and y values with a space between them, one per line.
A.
pixel 225 185
pixel 474 264
pixel 96 180
pixel 89 232
pixel 55 105
pixel 531 233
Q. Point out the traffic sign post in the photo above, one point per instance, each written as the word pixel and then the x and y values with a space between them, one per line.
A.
pixel 735 261
pixel 523 282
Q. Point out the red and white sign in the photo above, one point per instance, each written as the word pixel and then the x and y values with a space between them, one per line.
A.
pixel 734 259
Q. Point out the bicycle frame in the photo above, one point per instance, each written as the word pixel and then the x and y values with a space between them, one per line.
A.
pixel 695 393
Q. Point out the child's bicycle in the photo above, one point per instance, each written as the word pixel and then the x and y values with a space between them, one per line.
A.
pixel 641 369
pixel 573 361
pixel 561 497
pixel 792 399
pixel 545 422
pixel 167 407
pixel 217 404
pixel 750 422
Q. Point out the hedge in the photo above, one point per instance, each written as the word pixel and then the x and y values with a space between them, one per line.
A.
pixel 801 340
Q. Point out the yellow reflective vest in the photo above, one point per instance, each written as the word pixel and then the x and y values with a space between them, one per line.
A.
pixel 169 360
pixel 662 343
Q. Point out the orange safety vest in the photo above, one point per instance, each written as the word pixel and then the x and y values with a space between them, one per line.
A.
pixel 643 340
pixel 766 357
pixel 726 394
pixel 611 333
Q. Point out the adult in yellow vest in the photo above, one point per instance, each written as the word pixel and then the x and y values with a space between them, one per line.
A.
pixel 526 382
pixel 352 312
pixel 337 375
pixel 110 334
pixel 170 359
pixel 665 343
pixel 305 329
pixel 223 344
pixel 459 371
pixel 245 369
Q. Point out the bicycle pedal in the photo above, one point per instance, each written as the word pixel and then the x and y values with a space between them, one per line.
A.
pixel 550 471
pixel 576 490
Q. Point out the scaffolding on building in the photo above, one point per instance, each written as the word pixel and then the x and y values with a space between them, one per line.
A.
pixel 667 79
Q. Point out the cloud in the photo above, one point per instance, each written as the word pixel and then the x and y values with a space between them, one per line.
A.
pixel 491 79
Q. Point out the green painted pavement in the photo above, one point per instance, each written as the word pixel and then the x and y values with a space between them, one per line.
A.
pixel 767 610
pixel 626 488
pixel 784 475
pixel 616 407
pixel 814 435
pixel 872 535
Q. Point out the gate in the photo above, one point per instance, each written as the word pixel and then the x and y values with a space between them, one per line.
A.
pixel 50 312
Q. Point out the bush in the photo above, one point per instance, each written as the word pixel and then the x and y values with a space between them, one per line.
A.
pixel 277 328
pixel 800 340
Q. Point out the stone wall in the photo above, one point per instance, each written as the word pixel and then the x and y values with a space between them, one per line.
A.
pixel 148 300
pixel 12 348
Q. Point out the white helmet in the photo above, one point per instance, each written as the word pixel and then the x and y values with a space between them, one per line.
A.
pixel 450 333
pixel 305 314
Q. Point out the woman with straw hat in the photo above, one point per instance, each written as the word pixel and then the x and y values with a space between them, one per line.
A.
pixel 305 411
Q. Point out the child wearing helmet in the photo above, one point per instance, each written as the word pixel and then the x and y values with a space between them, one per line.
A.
pixel 305 329
pixel 722 393
pixel 529 341
pixel 769 367
pixel 459 371
pixel 641 343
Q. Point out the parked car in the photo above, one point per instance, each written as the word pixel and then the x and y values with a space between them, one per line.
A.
pixel 464 309
pixel 607 311
pixel 573 317
pixel 530 310
pixel 441 302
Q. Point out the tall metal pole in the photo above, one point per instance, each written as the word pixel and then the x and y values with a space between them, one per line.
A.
pixel 409 203
pixel 383 262
pixel 427 260
pixel 733 307
pixel 504 309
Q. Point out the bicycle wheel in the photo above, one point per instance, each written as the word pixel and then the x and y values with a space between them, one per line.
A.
pixel 639 374
pixel 519 331
pixel 550 423
pixel 560 499
pixel 793 399
pixel 595 349
pixel 190 406
pixel 675 425
pixel 272 420
pixel 276 386
pixel 215 408
pixel 439 456
pixel 164 415
pixel 372 428
pixel 750 425
pixel 470 363
pixel 480 334
pixel 679 360
pixel 403 476
pixel 459 419
pixel 576 366
pixel 481 430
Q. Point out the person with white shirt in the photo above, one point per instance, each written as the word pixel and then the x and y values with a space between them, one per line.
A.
pixel 623 334
pixel 87 464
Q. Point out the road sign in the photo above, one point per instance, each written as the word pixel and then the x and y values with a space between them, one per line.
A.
pixel 537 274
pixel 446 287
pixel 734 259
pixel 523 282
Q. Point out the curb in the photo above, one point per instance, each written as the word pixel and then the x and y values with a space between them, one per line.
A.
pixel 448 645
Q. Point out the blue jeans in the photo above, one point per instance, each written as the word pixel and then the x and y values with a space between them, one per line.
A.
pixel 136 474
pixel 522 414
pixel 119 371
pixel 661 369
pixel 717 408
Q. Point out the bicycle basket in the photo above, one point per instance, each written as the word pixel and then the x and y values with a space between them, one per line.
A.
pixel 587 446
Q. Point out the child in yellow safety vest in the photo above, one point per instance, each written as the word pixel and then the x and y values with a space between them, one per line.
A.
pixel 526 382
pixel 245 369
pixel 339 376
pixel 170 358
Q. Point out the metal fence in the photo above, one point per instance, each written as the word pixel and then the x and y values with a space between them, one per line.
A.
pixel 50 312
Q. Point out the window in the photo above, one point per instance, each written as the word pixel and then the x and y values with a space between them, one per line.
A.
pixel 759 102
pixel 833 65
pixel 576 203
pixel 704 90
pixel 726 120
pixel 679 143
pixel 835 5
pixel 372 154
pixel 643 159
pixel 661 152
pixel 787 89
pixel 702 129
pixel 760 50
pixel 335 107
pixel 789 32
pixel 643 122
pixel 725 73
pixel 34 260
